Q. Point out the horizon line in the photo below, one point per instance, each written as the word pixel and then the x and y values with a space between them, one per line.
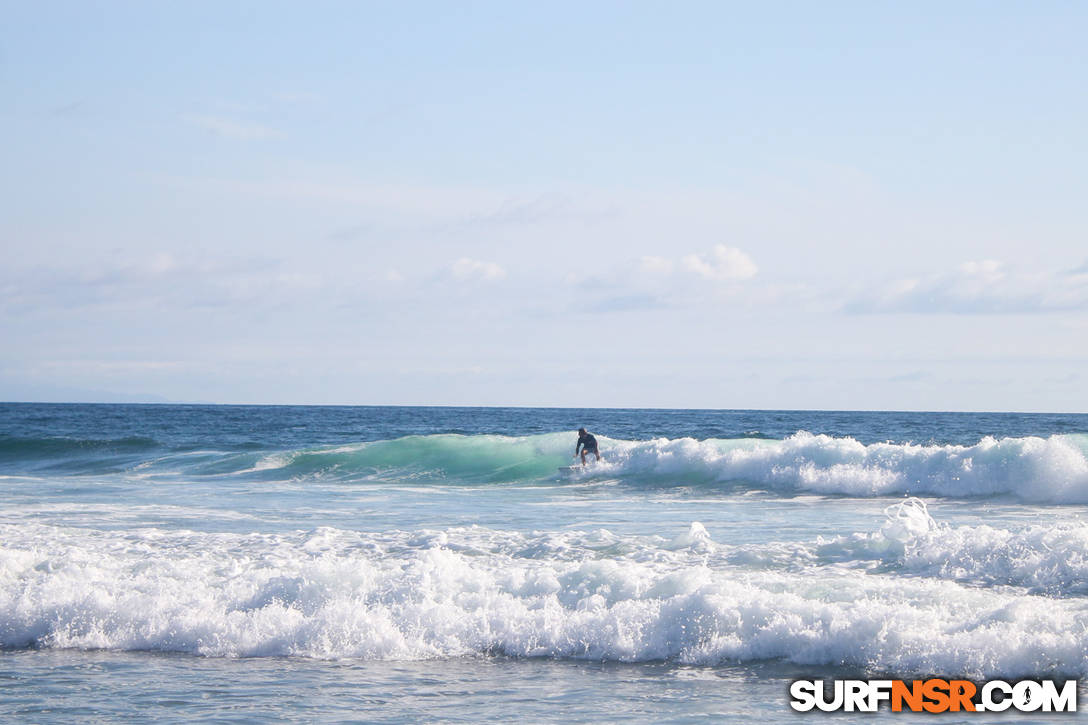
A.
pixel 532 407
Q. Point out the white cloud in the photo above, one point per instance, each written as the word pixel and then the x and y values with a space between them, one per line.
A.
pixel 230 128
pixel 653 282
pixel 722 264
pixel 465 269
pixel 979 287
pixel 656 265
pixel 160 279
pixel 161 263
pixel 532 210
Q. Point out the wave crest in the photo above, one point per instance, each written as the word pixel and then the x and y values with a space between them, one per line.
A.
pixel 1051 469
pixel 1032 469
pixel 331 593
pixel 1038 470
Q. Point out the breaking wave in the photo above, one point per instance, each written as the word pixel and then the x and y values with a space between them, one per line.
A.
pixel 1031 469
pixel 1038 470
pixel 1044 559
pixel 331 593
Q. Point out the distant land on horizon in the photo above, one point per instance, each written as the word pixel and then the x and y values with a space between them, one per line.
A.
pixel 60 394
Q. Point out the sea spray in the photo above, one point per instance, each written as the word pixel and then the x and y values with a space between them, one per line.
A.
pixel 332 593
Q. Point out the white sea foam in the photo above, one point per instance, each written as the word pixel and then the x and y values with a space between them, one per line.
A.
pixel 1049 559
pixel 1045 470
pixel 331 593
pixel 271 462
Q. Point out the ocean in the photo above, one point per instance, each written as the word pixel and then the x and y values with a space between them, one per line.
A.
pixel 385 564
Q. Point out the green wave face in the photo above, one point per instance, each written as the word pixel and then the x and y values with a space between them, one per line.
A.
pixel 445 458
pixel 1041 470
pixel 1032 469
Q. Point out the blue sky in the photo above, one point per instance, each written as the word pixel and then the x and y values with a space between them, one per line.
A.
pixel 766 205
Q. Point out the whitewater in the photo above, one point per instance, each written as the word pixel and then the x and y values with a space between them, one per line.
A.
pixel 402 564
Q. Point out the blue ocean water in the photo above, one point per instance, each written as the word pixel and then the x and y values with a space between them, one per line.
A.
pixel 418 564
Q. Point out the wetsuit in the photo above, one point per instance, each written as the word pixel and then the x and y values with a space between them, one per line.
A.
pixel 588 441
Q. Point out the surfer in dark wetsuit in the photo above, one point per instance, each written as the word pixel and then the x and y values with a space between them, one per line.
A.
pixel 586 444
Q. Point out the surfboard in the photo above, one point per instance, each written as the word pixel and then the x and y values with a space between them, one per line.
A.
pixel 577 467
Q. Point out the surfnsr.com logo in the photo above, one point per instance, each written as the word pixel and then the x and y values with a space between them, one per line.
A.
pixel 934 695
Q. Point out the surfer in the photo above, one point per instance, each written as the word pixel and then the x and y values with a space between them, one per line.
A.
pixel 588 444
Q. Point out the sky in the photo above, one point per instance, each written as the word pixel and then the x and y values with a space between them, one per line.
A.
pixel 780 205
